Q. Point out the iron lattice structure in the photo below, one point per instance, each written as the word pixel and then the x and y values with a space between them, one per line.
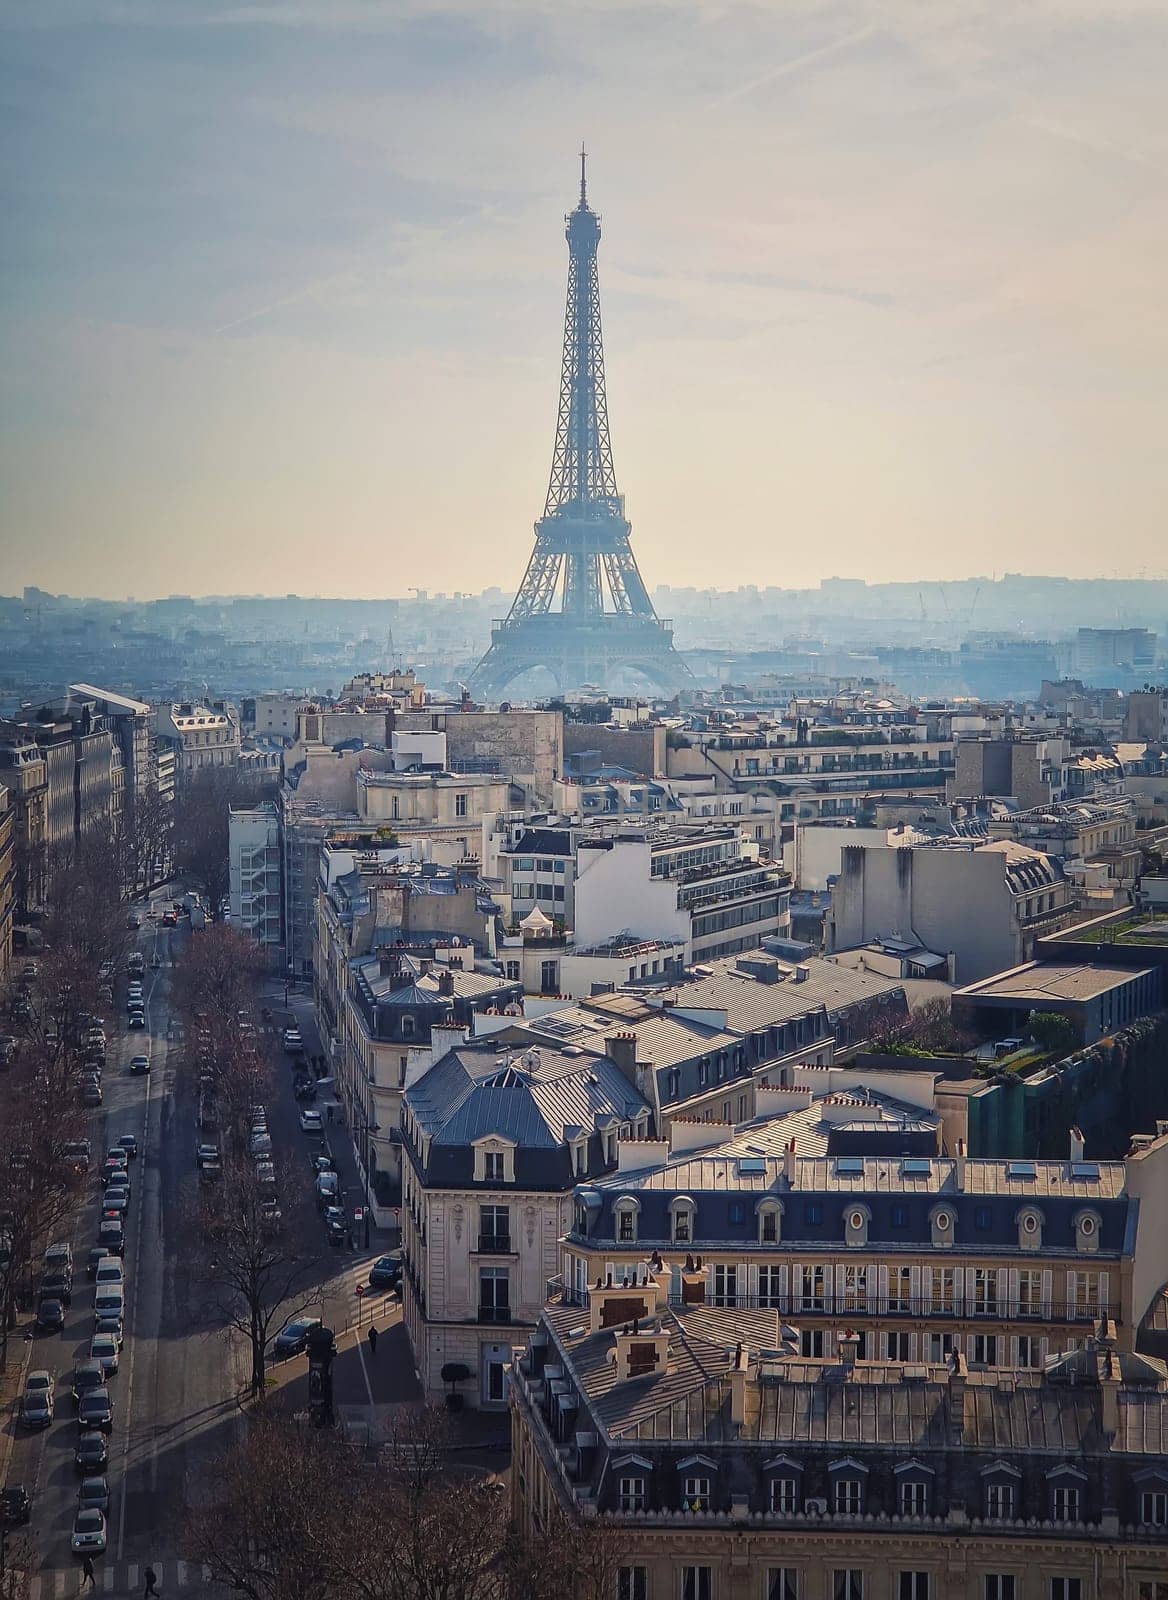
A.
pixel 582 610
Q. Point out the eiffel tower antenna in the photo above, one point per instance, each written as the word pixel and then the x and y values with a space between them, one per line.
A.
pixel 582 610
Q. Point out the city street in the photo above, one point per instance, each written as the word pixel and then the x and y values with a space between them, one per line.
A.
pixel 176 1393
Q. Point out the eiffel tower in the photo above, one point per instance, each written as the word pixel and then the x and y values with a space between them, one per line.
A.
pixel 582 611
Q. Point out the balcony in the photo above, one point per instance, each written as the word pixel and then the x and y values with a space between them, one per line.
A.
pixel 499 1314
pixel 494 1244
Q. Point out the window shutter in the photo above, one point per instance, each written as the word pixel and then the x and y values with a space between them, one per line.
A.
pixel 927 1288
pixel 611 1270
pixel 914 1280
pixel 1014 1350
pixel 913 1345
pixel 1104 1307
pixel 882 1289
pixel 752 1282
pixel 829 1304
pixel 1043 1350
pixel 797 1285
pixel 784 1293
pixel 1012 1292
pixel 1047 1286
pixel 1072 1291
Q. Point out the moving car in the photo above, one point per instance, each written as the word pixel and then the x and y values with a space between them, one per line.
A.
pixel 15 1506
pixel 95 1409
pixel 311 1122
pixel 94 1492
pixel 386 1272
pixel 88 1375
pixel 292 1339
pixel 50 1317
pixel 134 921
pixel 88 1531
pixel 129 1143
pixel 136 1019
pixel 139 1064
pixel 92 1453
pixel 103 1349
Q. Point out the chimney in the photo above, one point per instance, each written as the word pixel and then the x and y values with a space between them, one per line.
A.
pixel 739 1373
pixel 789 1164
pixel 694 1133
pixel 801 973
pixel 1078 1144
pixel 959 1164
pixel 849 1348
pixel 446 983
pixel 635 1155
pixel 622 1049
pixel 1109 1380
pixel 958 1373
pixel 389 964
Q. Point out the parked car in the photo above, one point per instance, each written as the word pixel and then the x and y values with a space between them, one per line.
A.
pixel 321 1164
pixel 115 1203
pixel 261 1144
pixel 111 1273
pixel 311 1122
pixel 328 1188
pixel 95 1409
pixel 92 1453
pixel 292 1339
pixel 109 1301
pixel 98 1253
pixel 207 1151
pixel 139 1064
pixel 59 1257
pixel 386 1272
pixel 77 1154
pixel 94 1492
pixel 58 1286
pixel 50 1317
pixel 15 1506
pixel 91 1092
pixel 336 1227
pixel 37 1403
pixel 270 1216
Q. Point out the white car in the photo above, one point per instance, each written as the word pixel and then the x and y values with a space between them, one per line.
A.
pixel 311 1122
pixel 88 1532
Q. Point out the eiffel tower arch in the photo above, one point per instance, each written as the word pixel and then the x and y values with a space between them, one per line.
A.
pixel 582 611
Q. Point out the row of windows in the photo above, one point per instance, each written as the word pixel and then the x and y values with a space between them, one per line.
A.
pixel 1001 1499
pixel 1086 1224
pixel 696 1581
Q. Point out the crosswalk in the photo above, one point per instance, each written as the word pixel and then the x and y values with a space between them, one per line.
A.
pixel 347 1308
pixel 121 1578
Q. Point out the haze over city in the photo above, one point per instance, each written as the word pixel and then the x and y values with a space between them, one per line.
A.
pixel 283 289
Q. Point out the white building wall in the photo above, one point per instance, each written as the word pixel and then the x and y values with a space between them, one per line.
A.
pixel 616 894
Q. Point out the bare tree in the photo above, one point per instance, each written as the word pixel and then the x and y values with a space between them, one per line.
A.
pixel 201 837
pixel 269 1529
pixel 258 1274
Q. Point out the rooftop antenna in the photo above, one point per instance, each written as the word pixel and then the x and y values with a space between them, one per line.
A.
pixel 583 176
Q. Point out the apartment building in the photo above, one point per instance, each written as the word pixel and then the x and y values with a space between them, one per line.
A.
pixel 24 774
pixel 1028 769
pixel 255 873
pixel 725 1465
pixel 202 737
pixel 493 1144
pixel 697 885
pixel 835 1210
pixel 984 904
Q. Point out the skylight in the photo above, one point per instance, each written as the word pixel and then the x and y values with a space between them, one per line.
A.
pixel 916 1167
pixel 1021 1169
pixel 850 1166
pixel 1088 1170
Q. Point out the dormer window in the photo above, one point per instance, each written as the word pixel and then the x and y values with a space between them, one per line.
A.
pixel 856 1221
pixel 770 1218
pixel 695 1492
pixel 681 1214
pixel 494 1161
pixel 408 1027
pixel 625 1211
pixel 784 1496
pixel 1064 1502
pixel 580 1156
pixel 631 1493
pixel 1086 1225
pixel 1030 1221
pixel 493 1166
pixel 943 1224
pixel 847 1496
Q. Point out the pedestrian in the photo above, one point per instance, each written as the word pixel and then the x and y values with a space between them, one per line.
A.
pixel 151 1581
pixel 372 1340
pixel 87 1576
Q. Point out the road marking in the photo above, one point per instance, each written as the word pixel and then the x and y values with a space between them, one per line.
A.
pixel 364 1371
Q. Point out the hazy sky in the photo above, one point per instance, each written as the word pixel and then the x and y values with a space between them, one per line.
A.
pixel 883 285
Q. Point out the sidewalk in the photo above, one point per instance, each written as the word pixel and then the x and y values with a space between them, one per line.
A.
pixel 11 1387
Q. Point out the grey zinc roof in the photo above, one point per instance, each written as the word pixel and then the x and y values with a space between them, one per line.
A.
pixel 750 1004
pixel 806 1402
pixel 1040 981
pixel 471 1093
pixel 662 1039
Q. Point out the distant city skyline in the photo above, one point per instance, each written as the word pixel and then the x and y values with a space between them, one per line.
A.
pixel 282 289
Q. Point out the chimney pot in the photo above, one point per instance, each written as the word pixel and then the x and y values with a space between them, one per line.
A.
pixel 1078 1144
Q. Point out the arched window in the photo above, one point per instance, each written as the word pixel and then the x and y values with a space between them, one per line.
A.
pixel 682 1214
pixel 625 1218
pixel 1030 1223
pixel 770 1221
pixel 857 1218
pixel 1086 1225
